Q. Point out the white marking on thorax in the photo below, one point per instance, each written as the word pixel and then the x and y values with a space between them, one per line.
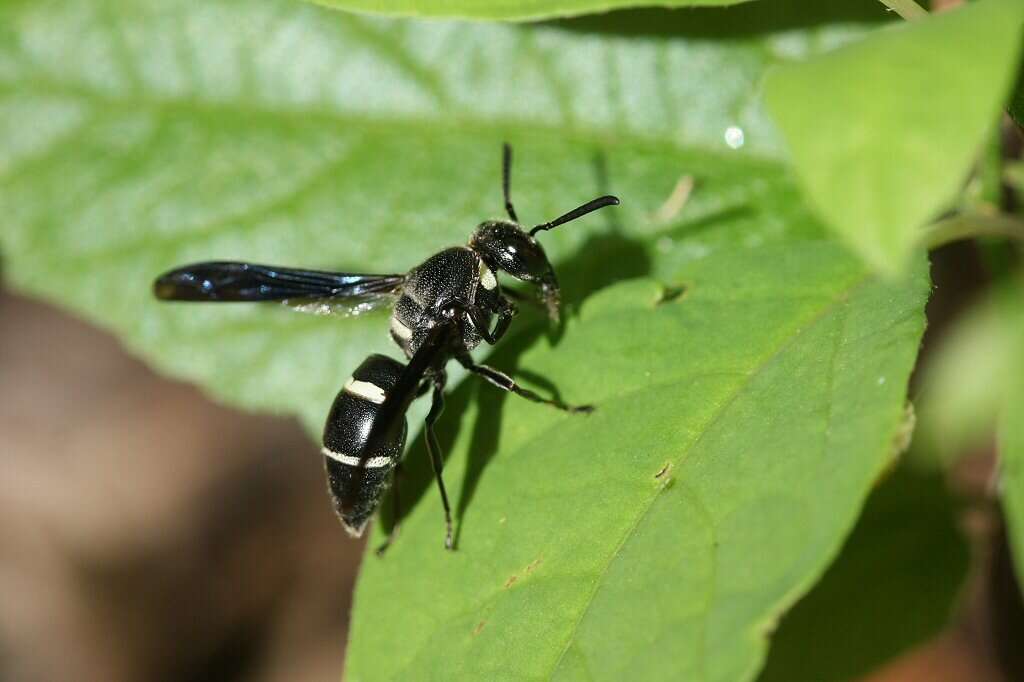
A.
pixel 349 460
pixel 400 330
pixel 364 389
pixel 487 278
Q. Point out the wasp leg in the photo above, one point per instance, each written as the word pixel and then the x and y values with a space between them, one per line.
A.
pixel 396 512
pixel 423 388
pixel 505 314
pixel 477 319
pixel 507 383
pixel 436 461
pixel 395 499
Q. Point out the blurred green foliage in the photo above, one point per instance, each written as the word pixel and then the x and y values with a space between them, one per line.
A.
pixel 884 131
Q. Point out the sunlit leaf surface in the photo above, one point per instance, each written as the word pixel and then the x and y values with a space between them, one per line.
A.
pixel 736 428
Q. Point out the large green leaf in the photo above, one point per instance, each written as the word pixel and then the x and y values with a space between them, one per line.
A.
pixel 883 132
pixel 737 430
pixel 139 135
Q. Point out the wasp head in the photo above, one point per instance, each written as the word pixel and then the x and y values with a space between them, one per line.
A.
pixel 504 246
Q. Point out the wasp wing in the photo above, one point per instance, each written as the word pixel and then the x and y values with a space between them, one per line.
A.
pixel 315 291
pixel 347 306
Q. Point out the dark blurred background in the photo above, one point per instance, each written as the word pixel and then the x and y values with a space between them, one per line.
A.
pixel 147 533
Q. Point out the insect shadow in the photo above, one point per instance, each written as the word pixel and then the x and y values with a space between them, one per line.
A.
pixel 605 258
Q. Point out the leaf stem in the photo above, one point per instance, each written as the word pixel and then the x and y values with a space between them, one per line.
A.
pixel 970 225
pixel 908 9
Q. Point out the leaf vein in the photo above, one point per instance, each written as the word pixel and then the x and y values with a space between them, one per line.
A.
pixel 245 221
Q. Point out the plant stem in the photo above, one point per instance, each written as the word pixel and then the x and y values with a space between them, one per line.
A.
pixel 908 9
pixel 968 226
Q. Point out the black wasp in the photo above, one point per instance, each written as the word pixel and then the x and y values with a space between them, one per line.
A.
pixel 443 309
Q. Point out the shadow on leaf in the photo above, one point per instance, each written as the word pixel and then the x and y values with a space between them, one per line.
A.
pixel 732 22
pixel 893 586
pixel 604 259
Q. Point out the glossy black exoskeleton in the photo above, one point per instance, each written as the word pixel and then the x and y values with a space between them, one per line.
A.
pixel 443 309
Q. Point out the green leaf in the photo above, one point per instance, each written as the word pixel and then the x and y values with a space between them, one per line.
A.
pixel 894 586
pixel 135 136
pixel 140 135
pixel 518 10
pixel 883 132
pixel 737 430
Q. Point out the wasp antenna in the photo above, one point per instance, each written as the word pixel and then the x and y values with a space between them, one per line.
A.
pixel 578 212
pixel 506 172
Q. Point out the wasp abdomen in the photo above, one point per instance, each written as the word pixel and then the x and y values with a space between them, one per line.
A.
pixel 357 477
